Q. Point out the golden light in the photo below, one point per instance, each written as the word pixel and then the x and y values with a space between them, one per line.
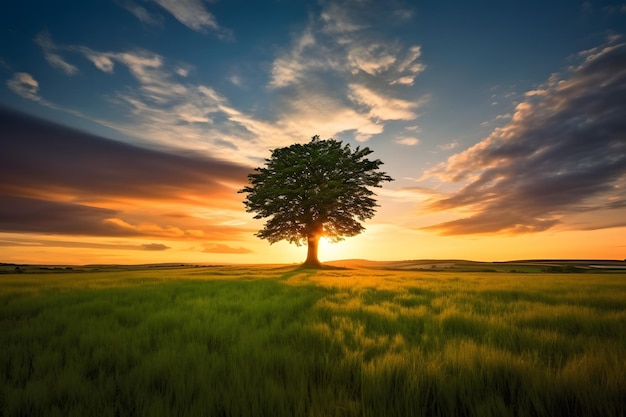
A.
pixel 330 251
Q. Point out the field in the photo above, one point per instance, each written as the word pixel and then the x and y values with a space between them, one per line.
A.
pixel 284 341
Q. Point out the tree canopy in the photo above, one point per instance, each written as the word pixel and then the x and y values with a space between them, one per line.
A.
pixel 313 190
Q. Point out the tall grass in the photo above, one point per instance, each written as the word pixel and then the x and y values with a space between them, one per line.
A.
pixel 288 342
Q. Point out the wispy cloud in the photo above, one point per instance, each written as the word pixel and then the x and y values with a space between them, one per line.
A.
pixel 290 68
pixel 408 141
pixel 563 153
pixel 236 80
pixel 191 13
pixel 141 13
pixel 343 60
pixel 382 107
pixel 26 86
pixel 310 111
pixel 164 108
pixel 448 146
pixel 103 62
pixel 339 74
pixel 23 84
pixel 372 59
pixel 339 19
pixel 194 15
pixel 49 49
pixel 222 248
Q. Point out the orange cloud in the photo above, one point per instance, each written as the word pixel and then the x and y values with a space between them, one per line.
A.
pixel 222 248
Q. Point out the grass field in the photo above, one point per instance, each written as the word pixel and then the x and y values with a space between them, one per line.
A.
pixel 282 341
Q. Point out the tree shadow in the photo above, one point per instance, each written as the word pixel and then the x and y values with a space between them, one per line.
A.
pixel 309 270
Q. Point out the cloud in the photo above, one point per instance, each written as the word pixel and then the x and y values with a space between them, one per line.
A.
pixel 290 68
pixel 58 180
pixel 155 247
pixel 338 19
pixel 144 228
pixel 19 214
pixel 164 106
pixel 411 63
pixel 236 80
pixel 536 93
pixel 36 152
pixel 49 48
pixel 408 141
pixel 141 13
pixel 336 42
pixel 325 115
pixel 194 15
pixel 347 17
pixel 23 84
pixel 51 243
pixel 38 215
pixel 190 13
pixel 383 107
pixel 371 59
pixel 405 80
pixel 183 71
pixel 102 62
pixel 448 146
pixel 222 248
pixel 165 109
pixel 563 153
pixel 344 61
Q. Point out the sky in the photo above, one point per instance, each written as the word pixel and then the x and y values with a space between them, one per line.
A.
pixel 127 126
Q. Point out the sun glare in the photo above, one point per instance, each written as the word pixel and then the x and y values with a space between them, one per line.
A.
pixel 330 251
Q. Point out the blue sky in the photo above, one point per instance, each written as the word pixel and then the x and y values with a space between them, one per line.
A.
pixel 431 87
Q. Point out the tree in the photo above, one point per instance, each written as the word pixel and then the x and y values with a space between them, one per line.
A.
pixel 319 189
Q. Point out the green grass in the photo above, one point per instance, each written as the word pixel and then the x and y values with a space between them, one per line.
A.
pixel 227 341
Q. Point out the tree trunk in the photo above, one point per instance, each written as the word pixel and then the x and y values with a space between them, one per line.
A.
pixel 311 255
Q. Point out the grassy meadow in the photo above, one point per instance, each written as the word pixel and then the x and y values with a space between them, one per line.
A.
pixel 283 341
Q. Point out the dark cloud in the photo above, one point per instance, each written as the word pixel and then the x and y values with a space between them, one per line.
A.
pixel 45 243
pixel 155 247
pixel 19 214
pixel 38 155
pixel 563 153
pixel 57 180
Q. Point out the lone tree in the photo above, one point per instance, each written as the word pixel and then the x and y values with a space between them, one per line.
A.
pixel 319 189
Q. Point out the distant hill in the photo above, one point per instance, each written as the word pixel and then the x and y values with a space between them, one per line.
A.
pixel 531 265
pixel 455 265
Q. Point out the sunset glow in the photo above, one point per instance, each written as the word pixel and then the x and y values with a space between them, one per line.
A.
pixel 126 128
